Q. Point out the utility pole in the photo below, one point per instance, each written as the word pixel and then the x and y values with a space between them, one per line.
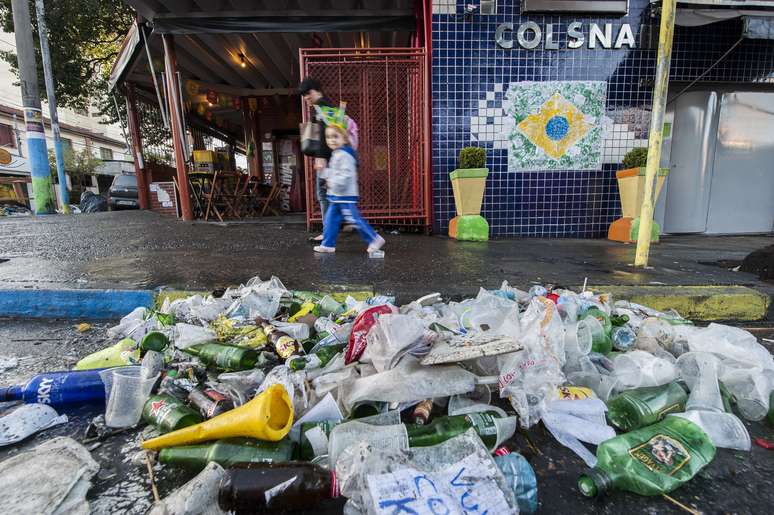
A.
pixel 64 195
pixel 33 117
pixel 656 131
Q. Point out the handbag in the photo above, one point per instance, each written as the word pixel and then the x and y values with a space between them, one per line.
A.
pixel 313 140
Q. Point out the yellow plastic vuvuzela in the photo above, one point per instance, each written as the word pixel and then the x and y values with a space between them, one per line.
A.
pixel 267 417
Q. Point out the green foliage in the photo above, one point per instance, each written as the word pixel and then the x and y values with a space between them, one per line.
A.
pixel 472 157
pixel 635 158
pixel 84 37
pixel 76 163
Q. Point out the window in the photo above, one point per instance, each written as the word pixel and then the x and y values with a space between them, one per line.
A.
pixel 7 136
pixel 106 154
pixel 125 181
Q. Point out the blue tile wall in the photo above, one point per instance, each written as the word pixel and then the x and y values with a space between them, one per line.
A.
pixel 467 64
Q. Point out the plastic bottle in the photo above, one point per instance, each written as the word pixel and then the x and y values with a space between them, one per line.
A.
pixel 601 339
pixel 653 460
pixel 168 413
pixel 59 388
pixel 227 453
pixel 121 354
pixel 492 429
pixel 623 338
pixel 521 478
pixel 224 357
pixel 321 358
pixel 642 407
pixel 276 487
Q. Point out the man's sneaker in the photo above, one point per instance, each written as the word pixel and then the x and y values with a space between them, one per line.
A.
pixel 317 238
pixel 324 250
pixel 375 245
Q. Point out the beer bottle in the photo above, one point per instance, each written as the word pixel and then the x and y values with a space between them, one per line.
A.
pixel 154 340
pixel 227 452
pixel 276 487
pixel 652 460
pixel 224 357
pixel 168 413
pixel 644 406
pixel 421 413
pixel 284 345
pixel 318 360
pixel 492 429
pixel 209 402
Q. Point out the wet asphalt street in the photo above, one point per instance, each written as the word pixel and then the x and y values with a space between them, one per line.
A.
pixel 735 482
pixel 134 249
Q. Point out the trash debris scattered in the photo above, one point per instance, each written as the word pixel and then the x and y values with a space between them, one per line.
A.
pixel 285 399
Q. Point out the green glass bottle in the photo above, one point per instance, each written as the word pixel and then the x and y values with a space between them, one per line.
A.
pixel 154 340
pixel 770 415
pixel 601 342
pixel 642 407
pixel 619 320
pixel 305 449
pixel 227 452
pixel 653 460
pixel 488 425
pixel 321 358
pixel 224 357
pixel 168 413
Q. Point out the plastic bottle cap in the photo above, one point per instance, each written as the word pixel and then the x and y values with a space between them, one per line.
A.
pixel 587 487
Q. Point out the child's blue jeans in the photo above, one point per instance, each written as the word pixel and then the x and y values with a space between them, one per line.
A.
pixel 338 212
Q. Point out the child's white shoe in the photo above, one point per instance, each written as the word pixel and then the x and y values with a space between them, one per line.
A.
pixel 375 245
pixel 324 250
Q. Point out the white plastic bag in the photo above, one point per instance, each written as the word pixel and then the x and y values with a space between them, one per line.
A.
pixel 394 336
pixel 27 420
pixel 187 335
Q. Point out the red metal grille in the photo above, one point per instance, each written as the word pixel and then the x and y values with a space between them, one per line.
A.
pixel 385 91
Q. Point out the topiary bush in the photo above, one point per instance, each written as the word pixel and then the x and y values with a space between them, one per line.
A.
pixel 635 158
pixel 472 157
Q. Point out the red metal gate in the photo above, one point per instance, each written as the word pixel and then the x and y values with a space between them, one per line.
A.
pixel 386 94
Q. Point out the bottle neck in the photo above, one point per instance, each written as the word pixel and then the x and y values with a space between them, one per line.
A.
pixel 595 482
pixel 10 393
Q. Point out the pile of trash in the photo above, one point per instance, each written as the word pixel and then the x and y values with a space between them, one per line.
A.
pixel 285 399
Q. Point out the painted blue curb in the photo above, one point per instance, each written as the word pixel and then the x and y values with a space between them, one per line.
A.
pixel 85 304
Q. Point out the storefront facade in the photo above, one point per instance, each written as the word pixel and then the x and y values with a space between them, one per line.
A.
pixel 557 99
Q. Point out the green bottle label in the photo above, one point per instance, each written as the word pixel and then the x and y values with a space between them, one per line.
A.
pixel 161 412
pixel 224 358
pixel 483 423
pixel 662 454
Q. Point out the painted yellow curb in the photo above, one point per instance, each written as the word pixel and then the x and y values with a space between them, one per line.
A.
pixel 696 302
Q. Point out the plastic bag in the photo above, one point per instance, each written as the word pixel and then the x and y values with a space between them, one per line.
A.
pixel 392 337
pixel 575 421
pixel 362 325
pixel 199 496
pixel 187 335
pixel 27 420
pixel 451 477
pixel 638 368
pixel 735 347
pixel 92 203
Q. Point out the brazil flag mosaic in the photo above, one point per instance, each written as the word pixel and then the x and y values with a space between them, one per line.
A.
pixel 555 125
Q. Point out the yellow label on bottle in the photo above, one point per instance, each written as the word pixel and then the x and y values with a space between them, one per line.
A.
pixel 285 346
pixel 661 454
pixel 574 393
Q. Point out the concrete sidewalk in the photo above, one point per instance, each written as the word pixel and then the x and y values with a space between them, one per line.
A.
pixel 141 250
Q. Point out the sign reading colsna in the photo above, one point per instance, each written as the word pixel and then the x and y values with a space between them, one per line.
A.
pixel 530 35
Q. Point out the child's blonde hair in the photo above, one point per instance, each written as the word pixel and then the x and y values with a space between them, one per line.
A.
pixel 340 130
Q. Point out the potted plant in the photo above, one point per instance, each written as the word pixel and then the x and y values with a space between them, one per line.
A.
pixel 631 186
pixel 468 182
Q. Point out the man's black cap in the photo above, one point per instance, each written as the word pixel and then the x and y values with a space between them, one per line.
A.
pixel 308 84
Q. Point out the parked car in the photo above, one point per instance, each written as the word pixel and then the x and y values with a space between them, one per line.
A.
pixel 123 193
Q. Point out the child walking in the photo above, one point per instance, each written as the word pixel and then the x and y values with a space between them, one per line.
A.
pixel 340 176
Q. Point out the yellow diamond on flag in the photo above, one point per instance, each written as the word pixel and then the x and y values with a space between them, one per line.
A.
pixel 556 127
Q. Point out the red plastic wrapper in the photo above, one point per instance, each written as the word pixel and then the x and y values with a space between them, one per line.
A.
pixel 761 442
pixel 553 297
pixel 362 325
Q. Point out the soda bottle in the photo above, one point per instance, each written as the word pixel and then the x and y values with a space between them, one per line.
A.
pixel 284 345
pixel 154 340
pixel 318 360
pixel 492 429
pixel 227 452
pixel 520 478
pixel 276 487
pixel 224 357
pixel 421 413
pixel 209 402
pixel 644 406
pixel 653 460
pixel 168 413
pixel 59 388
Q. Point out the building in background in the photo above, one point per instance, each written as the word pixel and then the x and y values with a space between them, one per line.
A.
pixel 81 130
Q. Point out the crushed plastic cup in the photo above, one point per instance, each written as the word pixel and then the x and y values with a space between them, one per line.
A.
pixel 700 371
pixel 639 368
pixel 128 392
pixel 592 326
pixel 751 388
pixel 578 338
